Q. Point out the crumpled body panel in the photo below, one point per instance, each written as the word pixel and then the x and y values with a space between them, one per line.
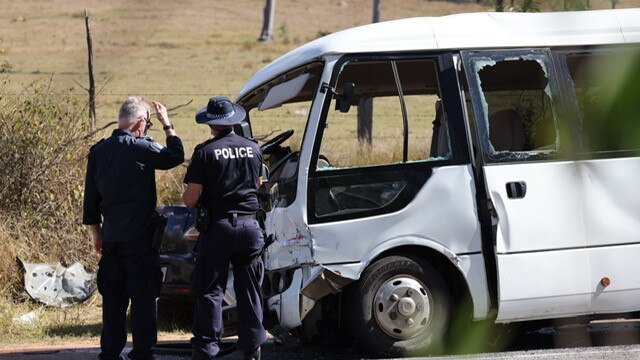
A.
pixel 54 284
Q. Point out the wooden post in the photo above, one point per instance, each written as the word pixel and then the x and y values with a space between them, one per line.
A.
pixel 365 123
pixel 267 23
pixel 376 11
pixel 92 86
pixel 365 105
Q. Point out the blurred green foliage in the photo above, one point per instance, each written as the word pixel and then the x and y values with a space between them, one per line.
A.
pixel 621 98
pixel 608 91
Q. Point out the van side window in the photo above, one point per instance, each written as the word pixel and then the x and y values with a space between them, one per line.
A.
pixel 396 119
pixel 518 121
pixel 608 105
pixel 372 132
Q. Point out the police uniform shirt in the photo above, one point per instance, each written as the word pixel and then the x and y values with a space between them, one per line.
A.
pixel 228 166
pixel 120 188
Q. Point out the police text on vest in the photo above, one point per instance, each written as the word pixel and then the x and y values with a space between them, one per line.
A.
pixel 233 153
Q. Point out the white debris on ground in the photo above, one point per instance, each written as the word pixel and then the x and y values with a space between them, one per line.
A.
pixel 28 318
pixel 54 284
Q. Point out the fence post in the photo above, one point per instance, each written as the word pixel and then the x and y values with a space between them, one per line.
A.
pixel 92 86
pixel 376 11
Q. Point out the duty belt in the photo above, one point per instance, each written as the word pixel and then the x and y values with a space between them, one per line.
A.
pixel 243 216
pixel 232 216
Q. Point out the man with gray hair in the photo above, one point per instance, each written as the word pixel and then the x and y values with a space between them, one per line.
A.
pixel 119 207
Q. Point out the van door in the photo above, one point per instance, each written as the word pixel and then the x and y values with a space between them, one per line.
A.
pixel 391 171
pixel 524 142
pixel 609 166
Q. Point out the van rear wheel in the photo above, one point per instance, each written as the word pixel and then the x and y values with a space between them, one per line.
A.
pixel 400 306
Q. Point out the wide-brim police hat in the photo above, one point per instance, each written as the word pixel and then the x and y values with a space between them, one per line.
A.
pixel 220 111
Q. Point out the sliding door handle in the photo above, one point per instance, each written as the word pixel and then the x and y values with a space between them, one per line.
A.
pixel 516 189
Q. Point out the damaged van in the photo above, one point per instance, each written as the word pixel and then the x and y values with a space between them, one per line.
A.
pixel 486 161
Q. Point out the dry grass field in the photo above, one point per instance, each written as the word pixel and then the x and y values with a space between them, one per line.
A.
pixel 171 51
pixel 174 51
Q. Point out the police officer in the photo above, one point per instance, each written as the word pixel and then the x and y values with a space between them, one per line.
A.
pixel 119 202
pixel 225 174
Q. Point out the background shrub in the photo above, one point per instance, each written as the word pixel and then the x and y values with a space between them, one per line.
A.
pixel 45 140
pixel 42 157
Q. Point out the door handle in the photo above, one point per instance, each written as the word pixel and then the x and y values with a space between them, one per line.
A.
pixel 516 189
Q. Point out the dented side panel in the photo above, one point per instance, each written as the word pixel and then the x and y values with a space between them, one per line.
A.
pixel 293 242
pixel 443 212
pixel 442 217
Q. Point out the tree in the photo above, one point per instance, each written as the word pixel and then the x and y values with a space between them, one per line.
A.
pixel 525 6
pixel 376 11
pixel 365 106
pixel 614 3
pixel 267 23
pixel 573 5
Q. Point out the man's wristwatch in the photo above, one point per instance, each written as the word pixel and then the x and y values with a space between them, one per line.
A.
pixel 167 127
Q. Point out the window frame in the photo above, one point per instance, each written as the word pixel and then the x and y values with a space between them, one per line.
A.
pixel 556 80
pixel 449 92
pixel 291 183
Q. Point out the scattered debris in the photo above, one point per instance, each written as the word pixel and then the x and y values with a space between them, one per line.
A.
pixel 53 284
pixel 28 318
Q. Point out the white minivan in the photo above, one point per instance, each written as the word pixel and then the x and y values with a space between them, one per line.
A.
pixel 487 160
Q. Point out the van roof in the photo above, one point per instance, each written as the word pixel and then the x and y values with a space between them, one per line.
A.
pixel 465 31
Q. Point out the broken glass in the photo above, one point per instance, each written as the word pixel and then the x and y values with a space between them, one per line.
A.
pixel 513 98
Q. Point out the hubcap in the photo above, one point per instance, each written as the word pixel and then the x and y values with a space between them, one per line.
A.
pixel 402 307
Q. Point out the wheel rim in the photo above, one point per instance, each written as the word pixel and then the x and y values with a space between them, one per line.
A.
pixel 402 307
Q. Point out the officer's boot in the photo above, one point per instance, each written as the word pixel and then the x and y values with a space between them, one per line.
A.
pixel 252 355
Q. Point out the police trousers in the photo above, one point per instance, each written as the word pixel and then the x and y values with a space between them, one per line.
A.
pixel 123 277
pixel 239 242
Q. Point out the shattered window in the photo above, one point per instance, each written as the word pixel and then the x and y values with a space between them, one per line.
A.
pixel 518 120
pixel 278 112
pixel 607 87
pixel 372 132
pixel 386 114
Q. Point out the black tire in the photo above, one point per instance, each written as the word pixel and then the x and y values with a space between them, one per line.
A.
pixel 375 332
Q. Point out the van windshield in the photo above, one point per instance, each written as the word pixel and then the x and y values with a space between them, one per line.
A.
pixel 282 104
pixel 278 113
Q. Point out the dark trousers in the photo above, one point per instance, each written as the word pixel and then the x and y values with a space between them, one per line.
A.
pixel 122 278
pixel 237 242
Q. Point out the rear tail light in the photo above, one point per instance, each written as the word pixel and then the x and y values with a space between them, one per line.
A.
pixel 181 291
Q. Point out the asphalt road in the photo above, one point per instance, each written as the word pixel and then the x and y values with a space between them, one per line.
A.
pixel 611 340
